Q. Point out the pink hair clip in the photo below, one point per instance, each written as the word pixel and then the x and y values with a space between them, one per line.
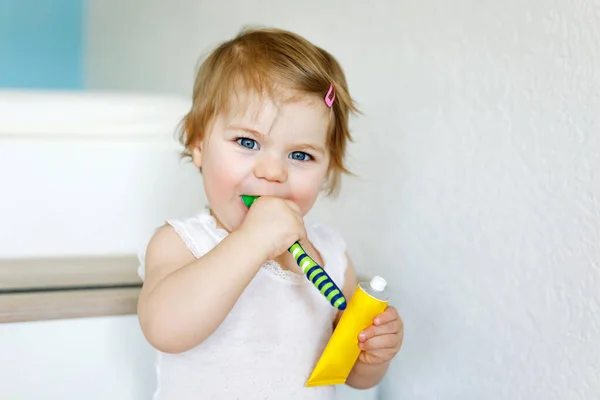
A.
pixel 329 100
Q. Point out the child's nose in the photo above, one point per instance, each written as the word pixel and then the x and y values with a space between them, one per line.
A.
pixel 270 168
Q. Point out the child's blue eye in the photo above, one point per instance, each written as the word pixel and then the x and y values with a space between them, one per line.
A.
pixel 248 143
pixel 300 156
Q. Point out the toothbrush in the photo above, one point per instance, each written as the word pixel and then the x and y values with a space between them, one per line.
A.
pixel 313 271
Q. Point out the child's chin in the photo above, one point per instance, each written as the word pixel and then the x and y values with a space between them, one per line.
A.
pixel 234 223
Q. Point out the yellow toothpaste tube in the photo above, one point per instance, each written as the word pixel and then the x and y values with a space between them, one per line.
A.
pixel 369 300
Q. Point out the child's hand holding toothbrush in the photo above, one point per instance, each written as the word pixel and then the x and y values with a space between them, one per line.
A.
pixel 276 223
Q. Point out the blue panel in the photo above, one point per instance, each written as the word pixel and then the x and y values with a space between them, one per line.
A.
pixel 41 44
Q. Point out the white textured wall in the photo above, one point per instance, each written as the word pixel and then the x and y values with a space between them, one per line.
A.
pixel 479 157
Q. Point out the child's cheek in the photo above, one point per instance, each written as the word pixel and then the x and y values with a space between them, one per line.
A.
pixel 304 192
pixel 218 184
pixel 224 172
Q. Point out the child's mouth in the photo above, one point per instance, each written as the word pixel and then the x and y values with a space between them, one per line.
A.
pixel 248 200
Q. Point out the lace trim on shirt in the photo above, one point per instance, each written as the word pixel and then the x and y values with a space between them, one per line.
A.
pixel 183 234
pixel 212 224
pixel 270 266
pixel 274 268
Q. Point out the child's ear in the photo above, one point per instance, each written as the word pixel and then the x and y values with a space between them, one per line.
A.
pixel 197 155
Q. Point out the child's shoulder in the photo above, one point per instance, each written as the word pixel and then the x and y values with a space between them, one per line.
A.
pixel 187 238
pixel 199 231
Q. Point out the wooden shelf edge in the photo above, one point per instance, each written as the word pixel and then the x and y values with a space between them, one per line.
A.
pixel 40 306
pixel 41 273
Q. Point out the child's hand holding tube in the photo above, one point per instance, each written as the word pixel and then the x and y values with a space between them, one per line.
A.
pixel 380 342
pixel 368 335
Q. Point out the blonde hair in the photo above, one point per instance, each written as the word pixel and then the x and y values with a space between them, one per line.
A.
pixel 261 60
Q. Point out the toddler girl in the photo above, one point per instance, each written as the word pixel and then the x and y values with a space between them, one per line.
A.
pixel 224 303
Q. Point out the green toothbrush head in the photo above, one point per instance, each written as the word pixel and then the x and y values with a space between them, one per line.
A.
pixel 248 200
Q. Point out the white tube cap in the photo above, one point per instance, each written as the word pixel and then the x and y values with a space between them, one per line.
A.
pixel 378 283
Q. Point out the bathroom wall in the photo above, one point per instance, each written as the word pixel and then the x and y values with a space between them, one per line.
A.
pixel 477 194
pixel 41 44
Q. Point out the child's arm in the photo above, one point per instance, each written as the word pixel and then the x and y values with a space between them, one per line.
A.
pixel 184 299
pixel 386 339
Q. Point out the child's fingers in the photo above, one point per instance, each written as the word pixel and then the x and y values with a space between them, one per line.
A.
pixel 388 315
pixel 376 357
pixel 390 341
pixel 379 355
pixel 392 327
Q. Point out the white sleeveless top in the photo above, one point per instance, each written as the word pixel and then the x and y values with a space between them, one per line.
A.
pixel 271 340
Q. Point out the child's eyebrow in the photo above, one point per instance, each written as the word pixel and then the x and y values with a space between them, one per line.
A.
pixel 313 147
pixel 247 130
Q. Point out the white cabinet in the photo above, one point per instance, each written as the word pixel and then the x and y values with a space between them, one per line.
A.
pixel 72 359
pixel 90 172
pixel 85 174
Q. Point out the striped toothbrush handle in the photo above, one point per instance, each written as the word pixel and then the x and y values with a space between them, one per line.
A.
pixel 319 278
pixel 311 269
